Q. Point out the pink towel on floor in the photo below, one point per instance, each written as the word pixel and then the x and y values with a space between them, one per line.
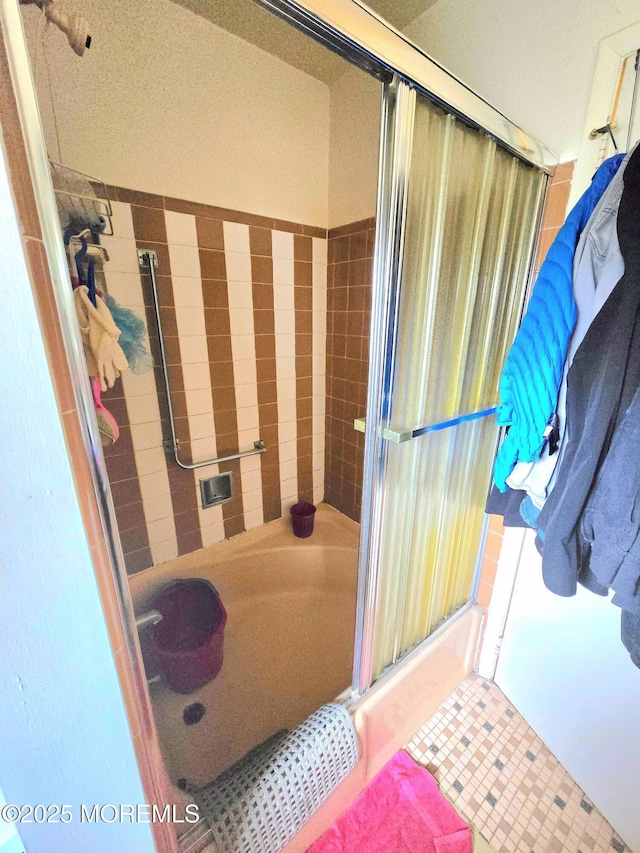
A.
pixel 401 811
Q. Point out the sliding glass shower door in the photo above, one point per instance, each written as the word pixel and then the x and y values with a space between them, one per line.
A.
pixel 452 268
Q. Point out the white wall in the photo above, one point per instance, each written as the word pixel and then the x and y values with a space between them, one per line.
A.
pixel 354 142
pixel 64 736
pixel 608 65
pixel 533 61
pixel 166 102
pixel 564 667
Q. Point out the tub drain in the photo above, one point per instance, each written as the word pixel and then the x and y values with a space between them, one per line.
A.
pixel 193 713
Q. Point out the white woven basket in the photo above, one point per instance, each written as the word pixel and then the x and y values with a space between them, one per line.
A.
pixel 260 803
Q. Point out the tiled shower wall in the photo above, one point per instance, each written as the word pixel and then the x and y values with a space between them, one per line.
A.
pixel 243 308
pixel 348 318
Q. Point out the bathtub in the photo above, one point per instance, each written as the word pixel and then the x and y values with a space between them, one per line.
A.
pixel 288 642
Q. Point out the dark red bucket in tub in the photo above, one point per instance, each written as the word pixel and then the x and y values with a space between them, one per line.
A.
pixel 302 516
pixel 188 643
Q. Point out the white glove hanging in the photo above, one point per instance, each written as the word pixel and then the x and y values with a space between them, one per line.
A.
pixel 100 334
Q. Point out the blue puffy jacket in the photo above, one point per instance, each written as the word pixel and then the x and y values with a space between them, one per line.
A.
pixel 533 369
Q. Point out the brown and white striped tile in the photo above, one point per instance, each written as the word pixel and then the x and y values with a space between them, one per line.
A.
pixel 191 328
pixel 263 300
pixel 242 280
pixel 222 372
pixel 150 232
pixel 319 389
pixel 303 303
pixel 285 346
pixel 243 302
pixel 123 282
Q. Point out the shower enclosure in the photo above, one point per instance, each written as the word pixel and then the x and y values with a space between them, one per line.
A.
pixel 460 192
pixel 448 301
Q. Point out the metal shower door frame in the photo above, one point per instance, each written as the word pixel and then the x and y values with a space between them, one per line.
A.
pixel 353 31
pixel 356 33
pixel 396 136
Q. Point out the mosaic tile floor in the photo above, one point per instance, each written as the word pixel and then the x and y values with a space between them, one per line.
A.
pixel 502 778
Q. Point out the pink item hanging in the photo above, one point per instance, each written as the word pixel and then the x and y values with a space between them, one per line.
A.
pixel 109 430
pixel 400 811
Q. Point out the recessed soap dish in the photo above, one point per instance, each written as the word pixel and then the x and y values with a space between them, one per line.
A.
pixel 216 490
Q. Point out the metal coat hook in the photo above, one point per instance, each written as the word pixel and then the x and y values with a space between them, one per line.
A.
pixel 599 131
pixel 72 234
pixel 82 251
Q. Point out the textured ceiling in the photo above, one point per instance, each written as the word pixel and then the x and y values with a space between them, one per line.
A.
pixel 249 21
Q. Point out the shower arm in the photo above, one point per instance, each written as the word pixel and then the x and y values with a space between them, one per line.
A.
pixel 74 26
pixel 149 260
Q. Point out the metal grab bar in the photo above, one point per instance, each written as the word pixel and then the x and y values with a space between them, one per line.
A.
pixel 400 436
pixel 149 259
